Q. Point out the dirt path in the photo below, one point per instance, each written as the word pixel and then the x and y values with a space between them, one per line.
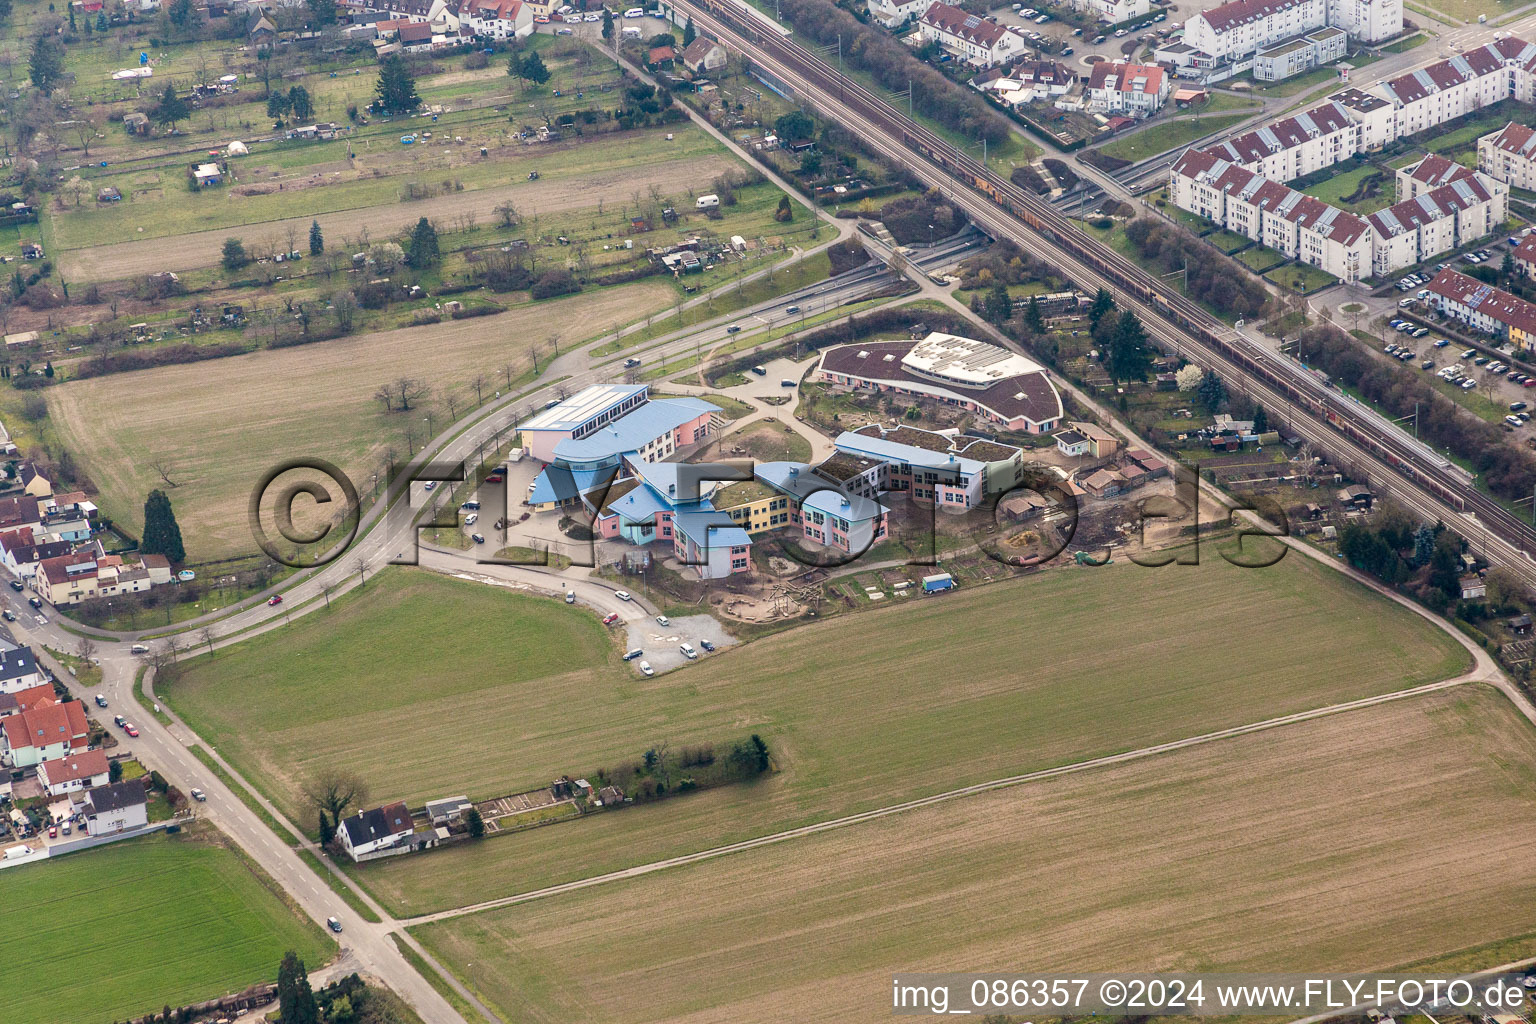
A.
pixel 120 260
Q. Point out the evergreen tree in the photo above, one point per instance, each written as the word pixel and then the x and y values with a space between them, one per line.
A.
pixel 327 830
pixel 607 23
pixel 278 105
pixel 1260 421
pixel 1129 357
pixel 295 999
pixel 316 239
pixel 1507 268
pixel 396 87
pixel 999 306
pixel 760 751
pixel 101 18
pixel 234 255
pixel 786 210
pixel 115 771
pixel 475 823
pixel 171 109
pixel 1103 302
pixel 6 7
pixel 161 534
pixel 689 35
pixel 46 62
pixel 300 104
pixel 1212 391
pixel 72 17
pixel 1423 544
pixel 1445 567
pixel 533 68
pixel 1033 317
pixel 180 12
pixel 424 250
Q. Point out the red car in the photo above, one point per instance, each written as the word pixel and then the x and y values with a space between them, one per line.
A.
pixel 494 478
pixel 130 730
pixel 53 831
pixel 610 618
pixel 275 599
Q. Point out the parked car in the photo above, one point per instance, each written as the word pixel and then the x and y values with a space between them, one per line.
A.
pixel 119 721
pixel 333 924
pixel 130 729
pixel 1468 385
pixel 199 796
pixel 662 620
pixel 645 667
pixel 1441 343
pixel 472 519
pixel 35 602
pixel 622 595
pixel 101 701
pixel 477 538
pixel 1469 353
pixel 706 645
pixel 610 618
pixel 470 506
pixel 17 586
pixel 570 597
pixel 53 831
pixel 688 651
pixel 632 654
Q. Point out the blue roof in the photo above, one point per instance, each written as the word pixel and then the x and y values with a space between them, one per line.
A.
pixel 582 407
pixel 710 529
pixel 817 492
pixel 634 430
pixel 640 505
pixel 895 451
pixel 558 483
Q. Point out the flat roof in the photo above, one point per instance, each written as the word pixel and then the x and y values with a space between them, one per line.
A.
pixel 582 407
pixel 634 430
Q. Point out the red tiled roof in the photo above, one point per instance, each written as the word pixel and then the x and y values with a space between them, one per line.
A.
pixel 85 764
pixel 956 21
pixel 416 32
pixel 46 725
pixel 1240 12
pixel 1507 309
pixel 37 696
pixel 1445 201
pixel 1525 252
pixel 1517 139
pixel 1437 170
pixel 1287 133
pixel 1138 78
pixel 57 569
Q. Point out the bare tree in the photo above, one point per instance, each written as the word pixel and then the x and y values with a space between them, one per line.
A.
pixel 506 370
pixel 386 395
pixel 506 214
pixel 326 590
pixel 85 649
pixel 408 390
pixel 164 470
pixel 362 572
pixel 478 383
pixel 334 790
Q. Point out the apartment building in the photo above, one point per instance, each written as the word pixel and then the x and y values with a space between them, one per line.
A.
pixel 895 13
pixel 1314 49
pixel 1509 155
pixel 1437 221
pixel 1294 146
pixel 973 39
pixel 1139 90
pixel 1460 85
pixel 1113 12
pixel 1525 257
pixel 1484 307
pixel 1299 226
pixel 496 19
pixel 1428 174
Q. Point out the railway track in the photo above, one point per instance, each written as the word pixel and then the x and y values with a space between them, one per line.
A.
pixel 1369 440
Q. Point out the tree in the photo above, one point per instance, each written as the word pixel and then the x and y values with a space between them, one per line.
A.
pixel 321 12
pixel 278 105
pixel 515 67
pixel 115 771
pixel 295 999
pixel 162 536
pixel 1129 358
pixel 5 9
pixel 300 104
pixel 1507 268
pixel 46 62
pixel 234 255
pixel 327 830
pixel 607 23
pixel 180 13
pixel 794 125
pixel 533 68
pixel 689 35
pixel 1188 377
pixel 786 210
pixel 334 790
pixel 1423 544
pixel 172 109
pixel 1213 392
pixel 998 304
pixel 475 823
pixel 316 239
pixel 1103 302
pixel 396 87
pixel 1033 317
pixel 424 250
pixel 1260 421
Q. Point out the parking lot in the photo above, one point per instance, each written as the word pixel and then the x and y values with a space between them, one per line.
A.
pixel 662 645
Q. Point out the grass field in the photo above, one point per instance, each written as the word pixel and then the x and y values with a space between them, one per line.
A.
pixel 223 423
pixel 848 734
pixel 1281 850
pixel 1301 278
pixel 1162 137
pixel 127 928
pixel 1335 189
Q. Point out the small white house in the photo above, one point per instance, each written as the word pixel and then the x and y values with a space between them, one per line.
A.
pixel 115 808
pixel 376 829
pixel 73 772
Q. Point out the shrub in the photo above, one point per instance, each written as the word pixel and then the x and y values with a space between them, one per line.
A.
pixel 554 282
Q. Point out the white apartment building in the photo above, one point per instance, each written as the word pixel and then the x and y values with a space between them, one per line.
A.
pixel 1268 212
pixel 1367 21
pixel 1437 221
pixel 1428 174
pixel 1294 146
pixel 972 39
pixel 1238 29
pixel 1459 85
pixel 1316 48
pixel 895 13
pixel 1509 155
pixel 497 19
pixel 1139 90
pixel 1113 12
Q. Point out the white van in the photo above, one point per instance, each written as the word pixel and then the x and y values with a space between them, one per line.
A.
pixel 139 649
pixel 632 33
pixel 708 202
pixel 635 12
pixel 691 654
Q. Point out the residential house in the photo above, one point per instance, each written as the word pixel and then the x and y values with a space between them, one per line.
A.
pixel 18 668
pixel 37 696
pixel 1231 31
pixel 415 37
pixel 703 56
pixel 1525 256
pixel 1316 138
pixel 33 481
pixel 68 579
pixel 21 552
pixel 1138 90
pixel 1113 12
pixel 74 771
pixel 896 13
pixel 1314 49
pixel 1424 176
pixel 1484 307
pixel 448 810
pixel 377 829
pixel 46 732
pixel 660 57
pixel 1442 219
pixel 116 808
pixel 1101 443
pixel 1509 155
pixel 260 29
pixel 973 39
pixel 1071 443
pixel 20 514
pixel 497 19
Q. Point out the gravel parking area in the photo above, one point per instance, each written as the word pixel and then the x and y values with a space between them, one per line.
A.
pixel 661 643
